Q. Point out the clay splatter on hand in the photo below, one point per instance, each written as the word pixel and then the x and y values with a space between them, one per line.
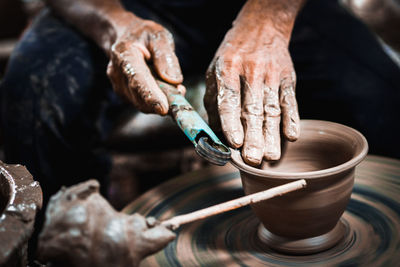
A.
pixel 82 229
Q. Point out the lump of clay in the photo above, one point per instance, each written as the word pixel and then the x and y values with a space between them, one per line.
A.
pixel 82 229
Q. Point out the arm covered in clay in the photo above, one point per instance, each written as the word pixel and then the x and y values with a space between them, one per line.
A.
pixel 131 43
pixel 251 81
pixel 82 229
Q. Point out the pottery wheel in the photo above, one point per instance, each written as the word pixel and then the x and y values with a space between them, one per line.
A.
pixel 372 222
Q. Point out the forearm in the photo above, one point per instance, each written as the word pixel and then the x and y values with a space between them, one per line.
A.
pixel 102 21
pixel 268 16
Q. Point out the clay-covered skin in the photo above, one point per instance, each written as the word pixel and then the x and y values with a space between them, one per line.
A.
pixel 251 81
pixel 82 229
pixel 132 44
pixel 131 77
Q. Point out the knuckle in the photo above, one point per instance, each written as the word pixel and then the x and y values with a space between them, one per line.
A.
pixel 271 103
pixel 253 108
pixel 119 47
pixel 287 91
pixel 272 109
pixel 167 34
pixel 227 100
pixel 128 69
pixel 255 62
pixel 231 59
pixel 149 24
pixel 255 59
pixel 142 91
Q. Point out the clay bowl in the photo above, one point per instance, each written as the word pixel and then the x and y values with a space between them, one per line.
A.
pixel 306 221
pixel 20 199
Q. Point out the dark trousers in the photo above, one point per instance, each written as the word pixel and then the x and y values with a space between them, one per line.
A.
pixel 58 107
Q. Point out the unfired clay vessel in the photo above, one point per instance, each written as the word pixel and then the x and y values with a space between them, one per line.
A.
pixel 20 200
pixel 307 221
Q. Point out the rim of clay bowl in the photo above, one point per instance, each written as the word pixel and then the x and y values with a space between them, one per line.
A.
pixel 319 125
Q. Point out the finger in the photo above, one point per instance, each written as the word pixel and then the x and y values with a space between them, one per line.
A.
pixel 288 103
pixel 118 82
pixel 181 89
pixel 228 101
pixel 137 222
pixel 168 88
pixel 210 99
pixel 144 90
pixel 166 64
pixel 252 151
pixel 272 117
pixel 143 49
pixel 157 238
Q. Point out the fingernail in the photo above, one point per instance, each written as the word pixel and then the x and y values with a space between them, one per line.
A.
pixel 272 153
pixel 292 135
pixel 237 139
pixel 173 74
pixel 159 109
pixel 292 132
pixel 253 156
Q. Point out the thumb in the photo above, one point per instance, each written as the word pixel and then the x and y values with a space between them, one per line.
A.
pixel 159 237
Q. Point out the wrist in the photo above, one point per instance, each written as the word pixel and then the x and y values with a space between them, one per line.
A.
pixel 268 17
pixel 116 24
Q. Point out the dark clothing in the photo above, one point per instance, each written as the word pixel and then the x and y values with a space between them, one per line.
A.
pixel 345 76
pixel 57 105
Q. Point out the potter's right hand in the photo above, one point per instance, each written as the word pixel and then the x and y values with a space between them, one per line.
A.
pixel 141 43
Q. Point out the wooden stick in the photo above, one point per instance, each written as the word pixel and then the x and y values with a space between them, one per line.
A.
pixel 177 221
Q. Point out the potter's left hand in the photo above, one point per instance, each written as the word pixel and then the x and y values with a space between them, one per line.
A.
pixel 82 229
pixel 251 81
pixel 148 236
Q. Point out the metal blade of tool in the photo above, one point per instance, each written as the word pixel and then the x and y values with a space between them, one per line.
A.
pixel 206 143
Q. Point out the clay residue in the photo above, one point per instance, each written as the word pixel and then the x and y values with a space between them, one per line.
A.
pixel 21 198
pixel 82 229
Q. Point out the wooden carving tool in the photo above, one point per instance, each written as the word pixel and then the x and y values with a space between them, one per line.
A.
pixel 177 221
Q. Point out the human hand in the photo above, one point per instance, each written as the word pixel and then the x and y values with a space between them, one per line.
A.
pixel 250 87
pixel 141 43
pixel 149 235
pixel 82 229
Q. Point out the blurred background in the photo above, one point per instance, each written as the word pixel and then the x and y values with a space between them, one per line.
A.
pixel 15 16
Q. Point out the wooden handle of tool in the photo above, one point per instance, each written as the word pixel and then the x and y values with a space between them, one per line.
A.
pixel 177 221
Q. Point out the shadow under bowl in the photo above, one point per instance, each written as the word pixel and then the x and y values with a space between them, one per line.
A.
pixel 306 221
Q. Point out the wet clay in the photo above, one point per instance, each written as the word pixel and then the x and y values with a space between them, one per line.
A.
pixel 371 220
pixel 307 221
pixel 82 229
pixel 20 199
